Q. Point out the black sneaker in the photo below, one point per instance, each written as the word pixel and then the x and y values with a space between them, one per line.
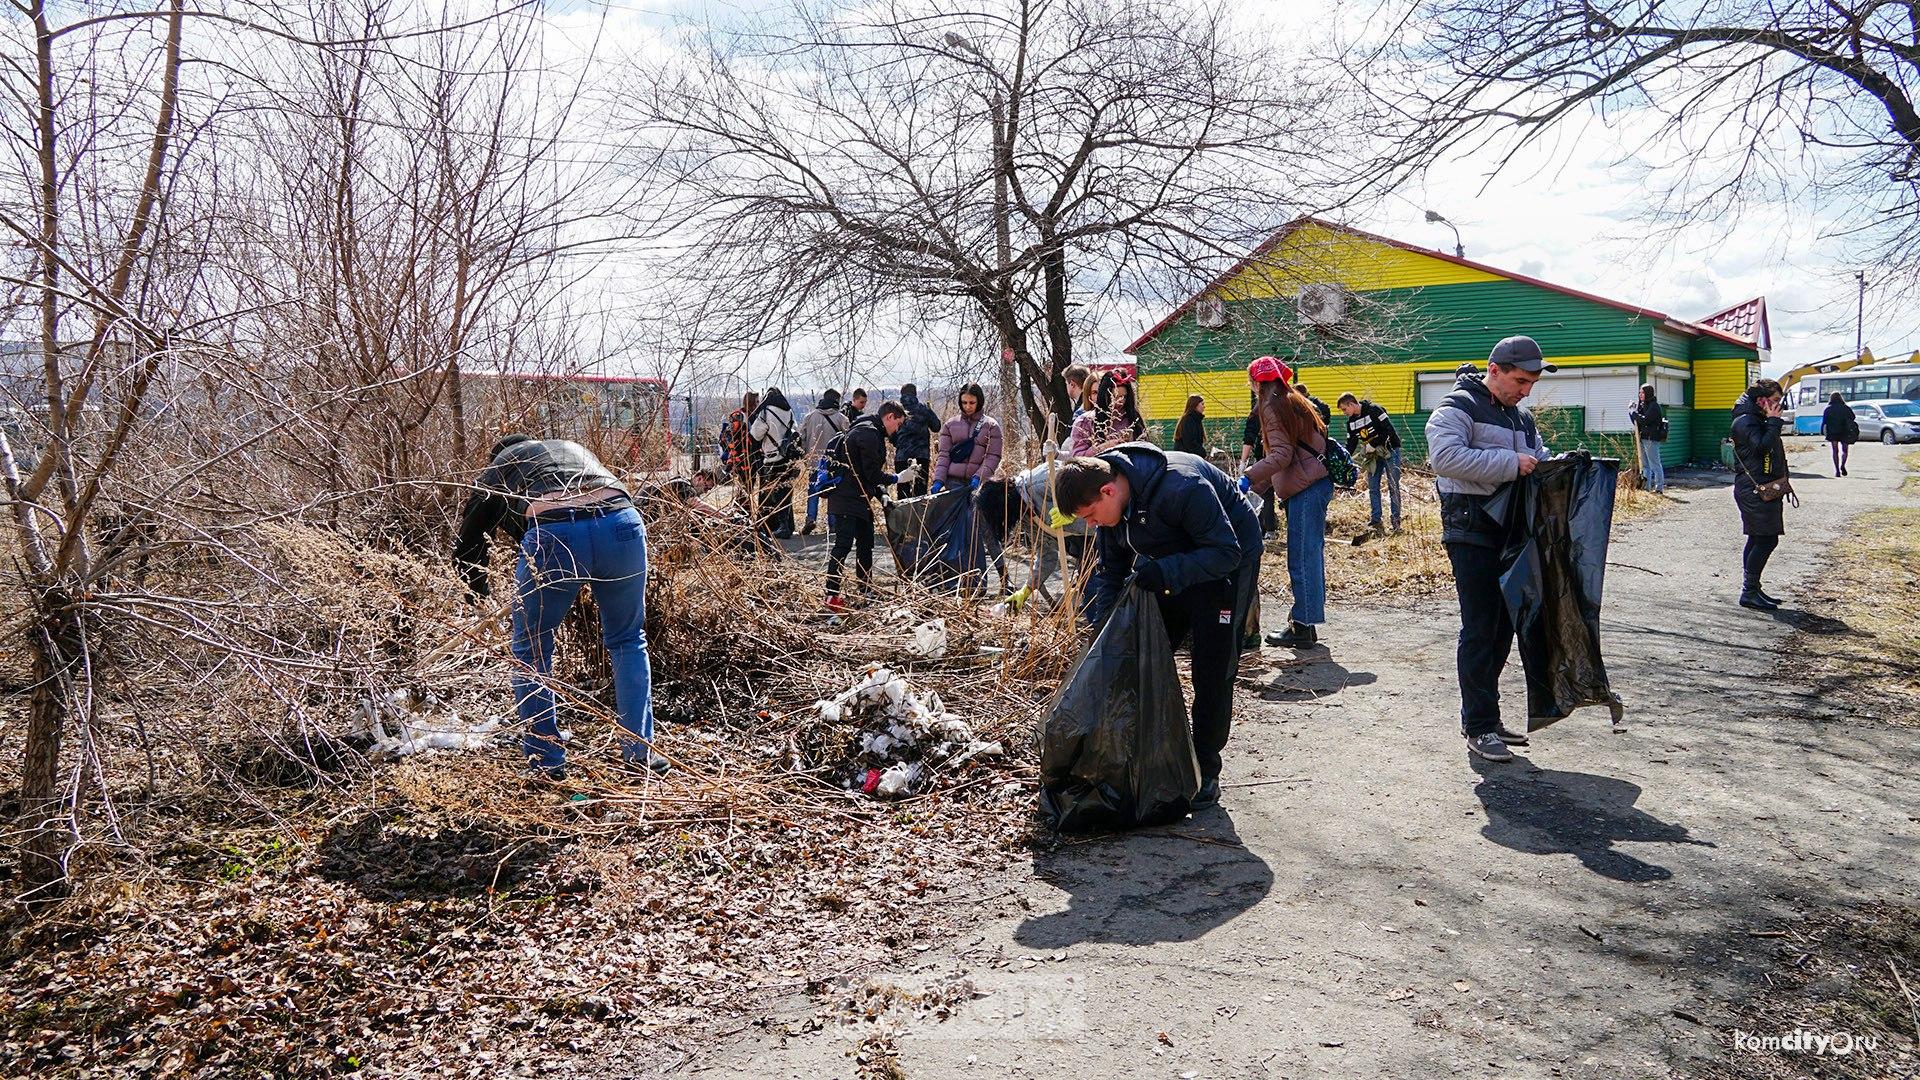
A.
pixel 544 774
pixel 1489 746
pixel 1296 636
pixel 646 763
pixel 1510 736
pixel 1209 796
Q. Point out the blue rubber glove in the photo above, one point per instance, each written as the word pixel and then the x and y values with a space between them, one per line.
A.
pixel 937 485
pixel 1148 573
pixel 973 484
pixel 1246 484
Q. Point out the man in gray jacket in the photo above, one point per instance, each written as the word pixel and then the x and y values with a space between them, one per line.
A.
pixel 1479 440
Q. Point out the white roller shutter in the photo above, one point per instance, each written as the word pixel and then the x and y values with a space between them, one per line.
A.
pixel 1609 398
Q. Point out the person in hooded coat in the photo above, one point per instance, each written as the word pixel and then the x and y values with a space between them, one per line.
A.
pixel 823 423
pixel 913 443
pixel 773 486
pixel 1759 458
pixel 1841 428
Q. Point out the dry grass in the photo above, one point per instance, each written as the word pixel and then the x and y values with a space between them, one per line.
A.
pixel 1867 650
pixel 271 902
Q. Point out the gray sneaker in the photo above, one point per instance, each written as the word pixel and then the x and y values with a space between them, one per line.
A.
pixel 1510 736
pixel 1489 746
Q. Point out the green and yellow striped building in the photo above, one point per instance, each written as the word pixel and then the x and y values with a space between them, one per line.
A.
pixel 1355 312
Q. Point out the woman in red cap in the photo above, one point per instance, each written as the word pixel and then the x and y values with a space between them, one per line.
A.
pixel 1293 469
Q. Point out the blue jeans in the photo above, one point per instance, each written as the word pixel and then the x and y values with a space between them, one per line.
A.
pixel 556 558
pixel 1390 469
pixel 1652 468
pixel 1307 552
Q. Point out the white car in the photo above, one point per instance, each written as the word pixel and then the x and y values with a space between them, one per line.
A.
pixel 1892 420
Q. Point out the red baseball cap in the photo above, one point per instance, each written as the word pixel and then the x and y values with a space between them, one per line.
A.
pixel 1269 369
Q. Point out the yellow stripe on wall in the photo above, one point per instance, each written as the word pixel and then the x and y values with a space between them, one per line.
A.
pixel 1391 386
pixel 1318 255
pixel 1717 384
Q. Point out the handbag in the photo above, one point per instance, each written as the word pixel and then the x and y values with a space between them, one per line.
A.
pixel 962 451
pixel 1772 490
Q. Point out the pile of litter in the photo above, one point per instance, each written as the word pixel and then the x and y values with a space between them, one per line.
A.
pixel 420 730
pixel 899 736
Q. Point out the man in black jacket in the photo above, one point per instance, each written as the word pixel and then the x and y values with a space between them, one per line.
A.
pixel 1368 425
pixel 576 524
pixel 863 451
pixel 913 442
pixel 1178 527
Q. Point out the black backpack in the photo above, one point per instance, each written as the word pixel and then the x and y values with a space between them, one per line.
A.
pixel 834 468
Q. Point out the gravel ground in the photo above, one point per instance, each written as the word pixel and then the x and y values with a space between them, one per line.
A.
pixel 1371 902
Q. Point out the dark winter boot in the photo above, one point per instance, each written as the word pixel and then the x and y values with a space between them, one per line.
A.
pixel 1752 597
pixel 1297 636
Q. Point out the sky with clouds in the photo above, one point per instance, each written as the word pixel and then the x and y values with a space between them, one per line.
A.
pixel 1569 210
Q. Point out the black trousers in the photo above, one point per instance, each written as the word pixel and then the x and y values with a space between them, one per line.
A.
pixel 1754 559
pixel 1208 618
pixel 851 533
pixel 1486 635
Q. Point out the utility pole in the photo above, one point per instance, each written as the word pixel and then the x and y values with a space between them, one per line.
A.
pixel 1860 315
pixel 1003 255
pixel 1002 225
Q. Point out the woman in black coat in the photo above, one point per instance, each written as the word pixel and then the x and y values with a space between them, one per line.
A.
pixel 1841 429
pixel 1190 434
pixel 1759 458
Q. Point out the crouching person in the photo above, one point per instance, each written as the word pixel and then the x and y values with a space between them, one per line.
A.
pixel 575 525
pixel 1176 525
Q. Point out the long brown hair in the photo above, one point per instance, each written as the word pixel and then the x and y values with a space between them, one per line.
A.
pixel 1293 401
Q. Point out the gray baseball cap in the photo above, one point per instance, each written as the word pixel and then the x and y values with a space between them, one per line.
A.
pixel 1520 352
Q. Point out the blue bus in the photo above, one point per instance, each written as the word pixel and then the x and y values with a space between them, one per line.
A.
pixel 1869 382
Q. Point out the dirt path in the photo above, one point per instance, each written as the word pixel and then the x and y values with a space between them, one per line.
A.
pixel 1380 905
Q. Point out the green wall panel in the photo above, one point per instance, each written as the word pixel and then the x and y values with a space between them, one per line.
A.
pixel 1439 322
pixel 1708 428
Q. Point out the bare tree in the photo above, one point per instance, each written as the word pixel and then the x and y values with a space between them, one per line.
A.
pixel 427 215
pixel 1740 101
pixel 1020 163
pixel 155 509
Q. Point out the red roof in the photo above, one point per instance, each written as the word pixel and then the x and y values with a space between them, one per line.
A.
pixel 1747 320
pixel 1271 242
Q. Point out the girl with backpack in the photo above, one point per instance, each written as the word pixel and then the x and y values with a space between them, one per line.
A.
pixel 1295 470
pixel 776 443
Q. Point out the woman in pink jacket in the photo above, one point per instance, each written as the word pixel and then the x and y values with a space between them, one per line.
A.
pixel 970 443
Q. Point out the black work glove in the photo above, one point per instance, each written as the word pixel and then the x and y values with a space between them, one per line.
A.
pixel 1149 576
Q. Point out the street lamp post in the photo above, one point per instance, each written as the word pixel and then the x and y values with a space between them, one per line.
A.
pixel 1002 226
pixel 1459 249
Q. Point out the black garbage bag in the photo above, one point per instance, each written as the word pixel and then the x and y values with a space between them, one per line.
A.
pixel 1116 750
pixel 1556 559
pixel 940 539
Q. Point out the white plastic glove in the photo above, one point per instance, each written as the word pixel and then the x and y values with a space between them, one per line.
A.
pixel 909 474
